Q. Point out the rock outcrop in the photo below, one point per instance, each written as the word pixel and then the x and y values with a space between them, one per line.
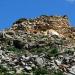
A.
pixel 41 46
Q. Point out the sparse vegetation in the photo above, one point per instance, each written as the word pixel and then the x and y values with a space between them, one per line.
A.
pixel 20 21
pixel 56 72
pixel 40 71
pixel 30 47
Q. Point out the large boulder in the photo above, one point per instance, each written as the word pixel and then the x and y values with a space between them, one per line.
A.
pixel 53 32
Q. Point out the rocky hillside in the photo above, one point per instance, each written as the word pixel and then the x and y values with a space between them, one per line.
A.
pixel 41 46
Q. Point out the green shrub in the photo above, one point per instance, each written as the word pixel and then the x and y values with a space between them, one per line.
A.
pixel 31 20
pixel 20 21
pixel 40 71
pixel 18 44
pixel 69 52
pixel 52 52
pixel 58 73
pixel 12 49
pixel 55 72
pixel 42 49
pixel 3 71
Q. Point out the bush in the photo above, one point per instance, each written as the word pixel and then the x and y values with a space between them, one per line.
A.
pixel 18 44
pixel 69 52
pixel 38 50
pixel 20 21
pixel 31 20
pixel 52 52
pixel 40 71
pixel 16 50
pixel 58 73
pixel 3 71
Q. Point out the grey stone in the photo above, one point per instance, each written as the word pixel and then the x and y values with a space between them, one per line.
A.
pixel 28 68
pixel 72 70
pixel 40 61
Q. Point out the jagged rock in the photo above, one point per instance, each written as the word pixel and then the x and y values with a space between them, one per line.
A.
pixel 28 68
pixel 10 32
pixel 72 70
pixel 58 62
pixel 8 36
pixel 11 72
pixel 40 61
pixel 1 52
pixel 53 32
pixel 23 57
pixel 27 58
pixel 19 71
pixel 33 65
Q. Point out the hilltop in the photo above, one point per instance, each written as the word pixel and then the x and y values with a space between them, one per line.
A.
pixel 38 46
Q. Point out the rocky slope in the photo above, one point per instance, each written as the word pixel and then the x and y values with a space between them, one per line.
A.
pixel 41 46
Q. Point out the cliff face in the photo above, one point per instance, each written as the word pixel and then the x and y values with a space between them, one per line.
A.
pixel 38 46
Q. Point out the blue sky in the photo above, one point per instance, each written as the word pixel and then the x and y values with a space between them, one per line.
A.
pixel 11 10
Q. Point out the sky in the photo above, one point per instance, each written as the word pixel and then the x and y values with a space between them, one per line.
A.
pixel 11 10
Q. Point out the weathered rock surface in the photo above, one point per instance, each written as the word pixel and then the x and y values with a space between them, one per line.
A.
pixel 40 46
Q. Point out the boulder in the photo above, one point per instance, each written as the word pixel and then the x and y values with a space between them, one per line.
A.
pixel 53 32
pixel 72 70
pixel 40 61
